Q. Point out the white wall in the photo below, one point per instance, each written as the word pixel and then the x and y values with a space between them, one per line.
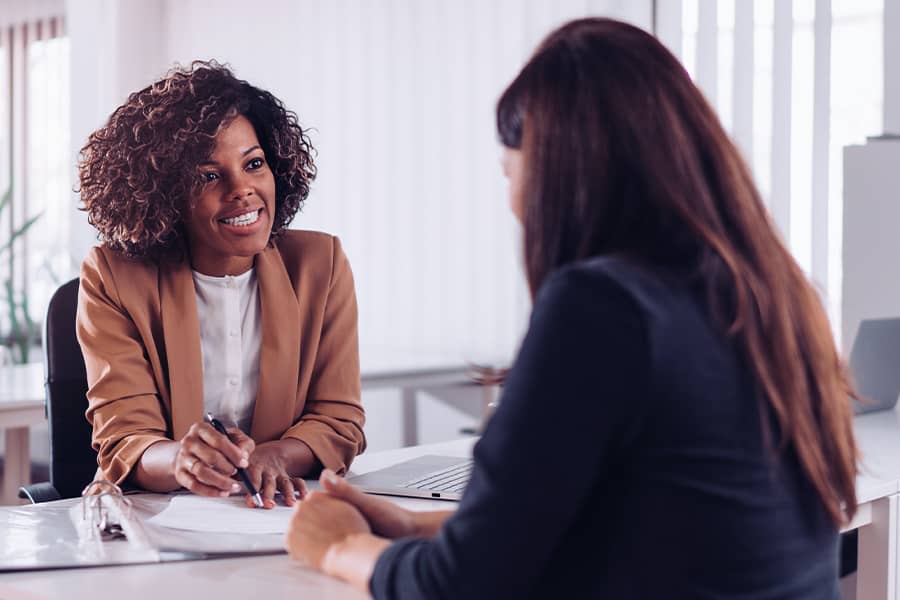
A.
pixel 400 94
pixel 871 284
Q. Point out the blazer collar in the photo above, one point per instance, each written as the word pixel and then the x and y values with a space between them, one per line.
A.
pixel 181 332
pixel 279 353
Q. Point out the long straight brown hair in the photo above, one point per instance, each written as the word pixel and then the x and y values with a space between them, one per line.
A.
pixel 623 155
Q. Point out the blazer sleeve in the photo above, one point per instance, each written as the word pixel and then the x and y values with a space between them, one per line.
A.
pixel 123 400
pixel 333 417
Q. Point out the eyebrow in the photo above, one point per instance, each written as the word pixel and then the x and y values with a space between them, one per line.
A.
pixel 243 154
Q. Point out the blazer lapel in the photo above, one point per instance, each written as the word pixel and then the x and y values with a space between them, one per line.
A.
pixel 181 331
pixel 279 353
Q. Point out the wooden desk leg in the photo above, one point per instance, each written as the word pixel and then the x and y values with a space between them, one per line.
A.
pixel 410 410
pixel 17 464
pixel 876 577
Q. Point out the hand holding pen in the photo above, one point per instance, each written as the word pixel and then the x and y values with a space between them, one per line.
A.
pixel 248 485
pixel 208 458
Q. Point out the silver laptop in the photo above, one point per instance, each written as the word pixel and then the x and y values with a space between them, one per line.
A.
pixel 435 477
pixel 875 362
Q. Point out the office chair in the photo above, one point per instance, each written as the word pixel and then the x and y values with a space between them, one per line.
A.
pixel 73 461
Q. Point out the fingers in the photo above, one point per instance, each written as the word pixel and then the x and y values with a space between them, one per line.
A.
pixel 300 486
pixel 243 441
pixel 213 448
pixel 206 460
pixel 384 517
pixel 291 488
pixel 339 488
pixel 199 478
pixel 269 486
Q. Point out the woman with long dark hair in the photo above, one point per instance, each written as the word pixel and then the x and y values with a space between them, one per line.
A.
pixel 677 422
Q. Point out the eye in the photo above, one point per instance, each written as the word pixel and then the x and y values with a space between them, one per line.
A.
pixel 255 163
pixel 209 176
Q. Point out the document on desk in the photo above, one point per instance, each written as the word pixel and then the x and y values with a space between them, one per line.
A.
pixel 221 515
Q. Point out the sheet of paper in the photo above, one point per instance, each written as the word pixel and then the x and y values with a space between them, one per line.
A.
pixel 221 515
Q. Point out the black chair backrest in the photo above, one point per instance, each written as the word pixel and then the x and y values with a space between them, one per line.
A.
pixel 73 461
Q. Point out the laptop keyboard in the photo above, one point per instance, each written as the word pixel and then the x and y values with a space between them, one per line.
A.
pixel 452 479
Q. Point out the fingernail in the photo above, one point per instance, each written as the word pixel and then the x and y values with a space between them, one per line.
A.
pixel 244 455
pixel 223 494
pixel 235 488
pixel 330 477
pixel 244 464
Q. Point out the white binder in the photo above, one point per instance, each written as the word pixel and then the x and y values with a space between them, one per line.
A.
pixel 111 528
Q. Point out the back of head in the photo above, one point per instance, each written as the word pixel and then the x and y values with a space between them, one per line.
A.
pixel 623 155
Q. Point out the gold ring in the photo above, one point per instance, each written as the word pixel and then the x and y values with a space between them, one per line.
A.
pixel 191 466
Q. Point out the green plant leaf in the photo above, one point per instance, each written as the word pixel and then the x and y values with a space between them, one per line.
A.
pixel 20 232
pixel 4 201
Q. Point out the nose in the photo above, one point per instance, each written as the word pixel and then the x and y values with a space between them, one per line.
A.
pixel 241 192
pixel 240 187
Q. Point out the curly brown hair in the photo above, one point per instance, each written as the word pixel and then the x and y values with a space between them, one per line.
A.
pixel 139 172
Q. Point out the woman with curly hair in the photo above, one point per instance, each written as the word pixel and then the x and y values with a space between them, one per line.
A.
pixel 199 300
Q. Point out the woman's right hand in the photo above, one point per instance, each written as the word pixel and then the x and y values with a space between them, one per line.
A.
pixel 206 460
pixel 385 518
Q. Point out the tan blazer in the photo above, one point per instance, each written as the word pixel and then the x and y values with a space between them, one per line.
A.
pixel 139 331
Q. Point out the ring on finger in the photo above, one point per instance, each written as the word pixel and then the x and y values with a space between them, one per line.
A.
pixel 192 464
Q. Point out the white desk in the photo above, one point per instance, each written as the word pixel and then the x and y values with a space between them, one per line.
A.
pixel 276 577
pixel 21 406
pixel 268 577
pixel 22 401
pixel 878 497
pixel 878 521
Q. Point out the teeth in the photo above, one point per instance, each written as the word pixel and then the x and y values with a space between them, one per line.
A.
pixel 243 220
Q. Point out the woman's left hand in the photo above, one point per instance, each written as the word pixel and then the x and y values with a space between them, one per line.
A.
pixel 269 471
pixel 320 521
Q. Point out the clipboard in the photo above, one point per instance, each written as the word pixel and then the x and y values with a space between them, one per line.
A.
pixel 108 527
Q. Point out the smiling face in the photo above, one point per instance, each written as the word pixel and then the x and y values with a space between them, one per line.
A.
pixel 231 217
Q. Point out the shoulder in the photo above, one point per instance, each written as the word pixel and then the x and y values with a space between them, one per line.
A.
pixel 303 250
pixel 294 241
pixel 102 263
pixel 603 292
pixel 612 280
pixel 315 246
pixel 598 281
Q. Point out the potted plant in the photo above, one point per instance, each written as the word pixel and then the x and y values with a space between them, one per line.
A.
pixel 23 332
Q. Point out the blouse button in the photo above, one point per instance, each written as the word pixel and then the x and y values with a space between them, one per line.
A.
pixel 233 381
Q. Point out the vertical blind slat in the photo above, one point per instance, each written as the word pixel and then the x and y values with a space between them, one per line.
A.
pixel 782 62
pixel 742 98
pixel 19 38
pixel 821 141
pixel 891 67
pixel 707 49
pixel 667 24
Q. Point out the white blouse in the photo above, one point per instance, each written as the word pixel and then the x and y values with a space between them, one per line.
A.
pixel 230 336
